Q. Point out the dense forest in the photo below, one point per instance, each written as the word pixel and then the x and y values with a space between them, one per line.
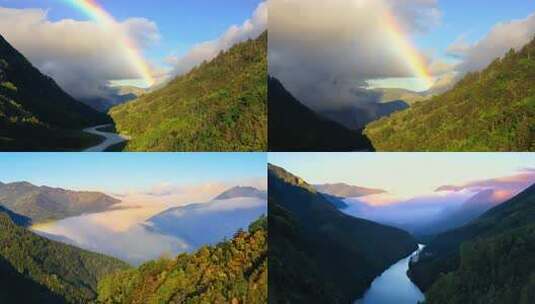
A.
pixel 44 203
pixel 489 260
pixel 44 271
pixel 234 271
pixel 317 253
pixel 220 105
pixel 35 113
pixel 489 110
pixel 294 127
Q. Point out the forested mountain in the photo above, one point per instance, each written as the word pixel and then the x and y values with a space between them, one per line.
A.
pixel 219 106
pixel 234 271
pixel 294 127
pixel 238 191
pixel 37 270
pixel 319 254
pixel 489 260
pixel 45 203
pixel 35 113
pixel 490 110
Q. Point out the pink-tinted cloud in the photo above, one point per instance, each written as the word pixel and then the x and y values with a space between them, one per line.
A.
pixel 507 184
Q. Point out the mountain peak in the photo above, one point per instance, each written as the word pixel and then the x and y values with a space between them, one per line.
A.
pixel 240 191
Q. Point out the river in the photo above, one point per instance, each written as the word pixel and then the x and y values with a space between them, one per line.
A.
pixel 110 139
pixel 393 286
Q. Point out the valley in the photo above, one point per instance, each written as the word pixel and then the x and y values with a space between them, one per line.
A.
pixel 138 239
pixel 217 104
pixel 394 286
pixel 110 139
pixel 463 242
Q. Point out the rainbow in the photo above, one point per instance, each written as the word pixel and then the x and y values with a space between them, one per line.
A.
pixel 413 58
pixel 94 11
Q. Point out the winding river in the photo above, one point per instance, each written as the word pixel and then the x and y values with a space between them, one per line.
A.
pixel 110 139
pixel 393 286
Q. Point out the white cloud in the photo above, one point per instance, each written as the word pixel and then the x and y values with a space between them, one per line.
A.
pixel 206 51
pixel 501 38
pixel 80 55
pixel 172 194
pixel 325 51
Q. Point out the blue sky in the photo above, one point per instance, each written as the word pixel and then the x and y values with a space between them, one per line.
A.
pixel 402 173
pixel 118 171
pixel 182 23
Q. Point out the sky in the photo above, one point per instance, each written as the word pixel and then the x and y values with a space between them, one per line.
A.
pixel 329 60
pixel 151 173
pixel 403 174
pixel 169 37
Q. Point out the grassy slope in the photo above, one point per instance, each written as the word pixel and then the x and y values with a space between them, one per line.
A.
pixel 219 106
pixel 347 252
pixel 492 255
pixel 491 110
pixel 234 271
pixel 55 270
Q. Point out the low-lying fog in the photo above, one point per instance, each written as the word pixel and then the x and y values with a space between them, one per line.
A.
pixel 126 233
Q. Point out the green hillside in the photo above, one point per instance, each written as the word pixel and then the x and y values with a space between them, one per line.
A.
pixel 44 271
pixel 46 203
pixel 490 260
pixel 491 110
pixel 343 253
pixel 35 113
pixel 218 106
pixel 234 271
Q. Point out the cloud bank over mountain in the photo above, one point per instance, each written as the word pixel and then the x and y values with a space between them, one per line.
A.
pixel 84 63
pixel 325 59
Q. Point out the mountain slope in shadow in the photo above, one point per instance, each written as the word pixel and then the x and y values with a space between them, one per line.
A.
pixel 489 260
pixel 294 127
pixel 319 254
pixel 35 113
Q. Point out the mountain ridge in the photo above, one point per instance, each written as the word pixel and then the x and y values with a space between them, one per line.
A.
pixel 42 203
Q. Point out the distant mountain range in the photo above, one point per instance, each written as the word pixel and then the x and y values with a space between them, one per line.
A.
pixel 490 110
pixel 407 96
pixel 35 113
pixel 489 260
pixel 344 190
pixel 45 203
pixel 209 223
pixel 319 254
pixel 118 95
pixel 219 106
pixel 357 116
pixel 239 191
pixel 294 127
